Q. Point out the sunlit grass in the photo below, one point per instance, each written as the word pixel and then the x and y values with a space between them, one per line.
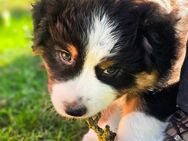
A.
pixel 15 38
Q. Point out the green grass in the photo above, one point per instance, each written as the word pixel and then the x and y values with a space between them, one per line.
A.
pixel 26 113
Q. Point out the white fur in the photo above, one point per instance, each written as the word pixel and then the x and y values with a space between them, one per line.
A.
pixel 183 4
pixel 101 40
pixel 138 126
pixel 113 120
pixel 115 114
pixel 96 96
pixel 90 136
pixel 182 26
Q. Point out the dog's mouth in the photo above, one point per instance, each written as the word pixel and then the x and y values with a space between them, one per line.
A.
pixel 80 108
pixel 74 110
pixel 82 114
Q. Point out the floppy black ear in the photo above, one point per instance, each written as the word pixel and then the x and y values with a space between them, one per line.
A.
pixel 44 12
pixel 38 13
pixel 158 37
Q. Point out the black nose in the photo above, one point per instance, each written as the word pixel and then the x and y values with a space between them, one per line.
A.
pixel 76 111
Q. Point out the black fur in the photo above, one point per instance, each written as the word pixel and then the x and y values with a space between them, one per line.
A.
pixel 161 103
pixel 61 22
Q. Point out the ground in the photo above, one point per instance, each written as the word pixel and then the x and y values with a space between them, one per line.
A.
pixel 26 113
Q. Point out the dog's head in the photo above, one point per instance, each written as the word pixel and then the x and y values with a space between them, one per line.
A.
pixel 98 50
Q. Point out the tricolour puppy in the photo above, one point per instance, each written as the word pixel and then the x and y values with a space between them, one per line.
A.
pixel 117 57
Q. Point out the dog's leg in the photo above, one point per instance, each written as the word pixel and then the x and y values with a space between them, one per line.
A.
pixel 138 126
pixel 90 136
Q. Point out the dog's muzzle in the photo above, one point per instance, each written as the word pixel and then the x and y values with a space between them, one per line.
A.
pixel 75 110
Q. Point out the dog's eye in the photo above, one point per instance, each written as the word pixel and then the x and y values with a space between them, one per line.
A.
pixel 110 71
pixel 65 56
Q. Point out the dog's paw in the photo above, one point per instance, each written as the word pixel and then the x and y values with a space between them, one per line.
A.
pixel 90 136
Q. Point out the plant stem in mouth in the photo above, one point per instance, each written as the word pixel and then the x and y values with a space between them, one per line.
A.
pixel 102 134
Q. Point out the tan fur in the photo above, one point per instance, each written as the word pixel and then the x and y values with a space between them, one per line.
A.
pixel 144 81
pixel 73 50
pixel 110 110
pixel 106 64
pixel 180 8
pixel 126 105
pixel 131 105
pixel 107 113
pixel 50 81
pixel 37 51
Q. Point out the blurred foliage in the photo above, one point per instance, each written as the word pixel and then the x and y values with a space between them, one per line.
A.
pixel 15 4
pixel 15 37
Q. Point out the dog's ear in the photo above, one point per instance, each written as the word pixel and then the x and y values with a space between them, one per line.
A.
pixel 158 38
pixel 38 14
pixel 44 12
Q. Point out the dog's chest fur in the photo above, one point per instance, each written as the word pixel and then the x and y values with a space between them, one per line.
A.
pixel 140 118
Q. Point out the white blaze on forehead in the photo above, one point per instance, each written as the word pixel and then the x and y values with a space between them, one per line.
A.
pixel 102 39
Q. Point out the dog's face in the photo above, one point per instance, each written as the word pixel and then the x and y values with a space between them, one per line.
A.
pixel 98 50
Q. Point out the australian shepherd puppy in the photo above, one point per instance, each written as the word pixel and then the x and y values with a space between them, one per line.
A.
pixel 117 57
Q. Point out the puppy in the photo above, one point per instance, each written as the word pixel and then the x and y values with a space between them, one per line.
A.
pixel 118 57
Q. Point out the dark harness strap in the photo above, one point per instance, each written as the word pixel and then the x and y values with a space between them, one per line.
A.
pixel 178 127
pixel 182 99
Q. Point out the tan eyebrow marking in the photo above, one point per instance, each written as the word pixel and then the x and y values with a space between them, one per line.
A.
pixel 73 50
pixel 106 64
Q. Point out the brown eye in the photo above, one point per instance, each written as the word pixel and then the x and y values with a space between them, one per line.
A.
pixel 65 56
pixel 111 71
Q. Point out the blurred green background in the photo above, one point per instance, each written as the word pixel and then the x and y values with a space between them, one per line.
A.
pixel 26 113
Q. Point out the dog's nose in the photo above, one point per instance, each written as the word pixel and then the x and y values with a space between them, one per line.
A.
pixel 75 110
